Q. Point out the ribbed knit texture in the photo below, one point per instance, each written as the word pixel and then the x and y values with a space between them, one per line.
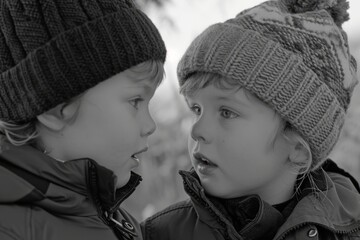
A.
pixel 296 62
pixel 53 50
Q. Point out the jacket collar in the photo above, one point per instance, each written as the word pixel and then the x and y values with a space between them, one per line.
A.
pixel 251 217
pixel 64 187
pixel 334 206
pixel 264 218
pixel 201 202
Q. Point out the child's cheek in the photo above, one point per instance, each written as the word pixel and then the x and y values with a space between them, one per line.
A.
pixel 190 143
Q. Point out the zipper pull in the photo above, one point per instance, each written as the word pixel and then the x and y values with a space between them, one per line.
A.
pixel 125 227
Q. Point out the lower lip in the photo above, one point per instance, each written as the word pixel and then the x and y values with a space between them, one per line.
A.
pixel 204 169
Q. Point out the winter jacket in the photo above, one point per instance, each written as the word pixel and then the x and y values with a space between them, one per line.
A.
pixel 44 199
pixel 331 213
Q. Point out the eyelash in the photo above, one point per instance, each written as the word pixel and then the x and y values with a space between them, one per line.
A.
pixel 233 115
pixel 135 102
pixel 197 111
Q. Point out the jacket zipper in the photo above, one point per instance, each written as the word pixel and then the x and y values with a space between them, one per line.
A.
pixel 104 215
pixel 208 207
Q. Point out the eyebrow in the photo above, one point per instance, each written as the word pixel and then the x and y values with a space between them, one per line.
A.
pixel 238 102
pixel 145 87
pixel 224 98
pixel 151 80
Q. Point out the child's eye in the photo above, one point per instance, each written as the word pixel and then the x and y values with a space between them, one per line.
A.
pixel 136 101
pixel 225 113
pixel 195 109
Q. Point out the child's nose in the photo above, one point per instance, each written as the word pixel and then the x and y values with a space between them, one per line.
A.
pixel 199 131
pixel 149 126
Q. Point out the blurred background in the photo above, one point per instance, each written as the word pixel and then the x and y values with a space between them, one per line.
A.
pixel 179 21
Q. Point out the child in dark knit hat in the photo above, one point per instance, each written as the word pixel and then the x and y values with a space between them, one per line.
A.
pixel 75 85
pixel 269 90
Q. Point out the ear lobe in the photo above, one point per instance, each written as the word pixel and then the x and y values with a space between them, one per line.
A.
pixel 299 154
pixel 54 118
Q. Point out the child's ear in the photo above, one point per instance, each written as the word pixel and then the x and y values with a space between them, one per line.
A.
pixel 299 154
pixel 57 117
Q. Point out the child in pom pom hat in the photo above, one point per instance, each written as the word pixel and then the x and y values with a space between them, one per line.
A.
pixel 75 85
pixel 269 90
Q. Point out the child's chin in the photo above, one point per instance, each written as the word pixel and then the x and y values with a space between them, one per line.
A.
pixel 209 187
pixel 214 190
pixel 122 180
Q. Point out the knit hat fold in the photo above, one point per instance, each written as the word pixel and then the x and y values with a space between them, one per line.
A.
pixel 296 59
pixel 49 60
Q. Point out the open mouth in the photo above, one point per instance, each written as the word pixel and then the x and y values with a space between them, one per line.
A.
pixel 135 155
pixel 202 159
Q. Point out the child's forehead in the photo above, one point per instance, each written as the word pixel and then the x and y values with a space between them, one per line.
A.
pixel 124 85
pixel 237 95
pixel 214 93
pixel 140 84
pixel 200 80
pixel 146 75
pixel 146 84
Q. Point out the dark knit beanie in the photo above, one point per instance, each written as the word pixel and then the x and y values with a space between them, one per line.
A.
pixel 293 55
pixel 53 50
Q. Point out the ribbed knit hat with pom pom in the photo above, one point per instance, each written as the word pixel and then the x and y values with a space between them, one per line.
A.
pixel 53 50
pixel 293 55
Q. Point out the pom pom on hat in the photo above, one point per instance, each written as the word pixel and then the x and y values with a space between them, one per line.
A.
pixel 336 8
